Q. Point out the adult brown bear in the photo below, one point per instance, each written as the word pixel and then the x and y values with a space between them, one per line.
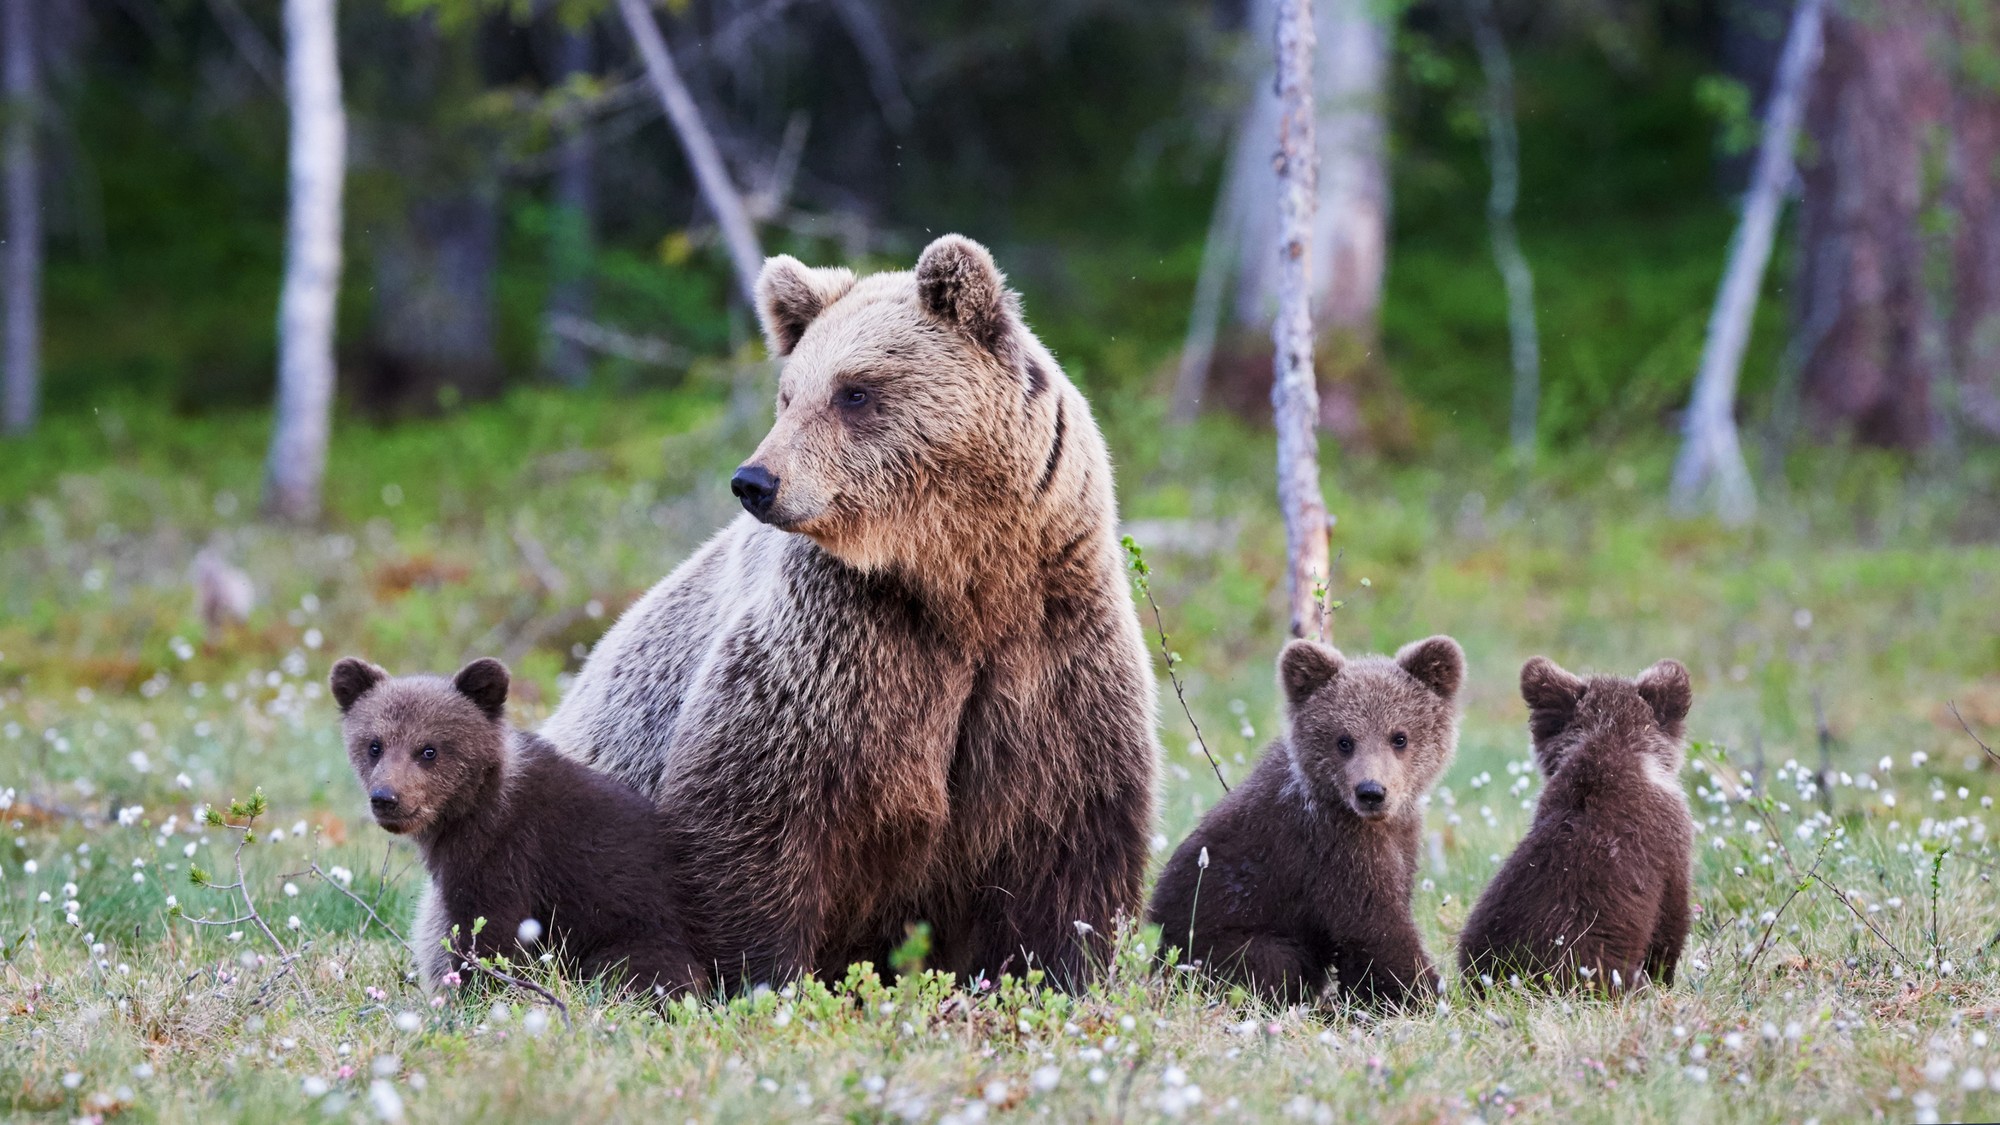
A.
pixel 908 685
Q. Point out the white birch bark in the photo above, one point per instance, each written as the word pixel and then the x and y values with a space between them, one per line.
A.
pixel 306 307
pixel 1503 146
pixel 1294 391
pixel 23 377
pixel 1710 450
pixel 739 237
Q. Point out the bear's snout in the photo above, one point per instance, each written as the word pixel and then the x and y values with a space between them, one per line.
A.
pixel 1370 796
pixel 382 799
pixel 756 488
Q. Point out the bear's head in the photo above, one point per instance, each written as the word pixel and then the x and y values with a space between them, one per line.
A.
pixel 1648 714
pixel 427 749
pixel 911 407
pixel 1371 733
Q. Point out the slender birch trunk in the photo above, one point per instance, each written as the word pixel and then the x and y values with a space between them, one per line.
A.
pixel 306 308
pixel 1294 392
pixel 572 235
pixel 24 221
pixel 1503 145
pixel 1710 452
pixel 739 237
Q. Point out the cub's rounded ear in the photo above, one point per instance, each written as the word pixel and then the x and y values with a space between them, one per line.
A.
pixel 1551 694
pixel 1305 667
pixel 485 683
pixel 1667 689
pixel 351 679
pixel 1436 662
pixel 791 295
pixel 958 283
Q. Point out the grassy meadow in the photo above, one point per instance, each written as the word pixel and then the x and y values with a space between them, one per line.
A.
pixel 1839 966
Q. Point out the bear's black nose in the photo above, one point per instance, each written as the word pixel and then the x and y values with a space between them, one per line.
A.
pixel 756 488
pixel 382 799
pixel 1370 795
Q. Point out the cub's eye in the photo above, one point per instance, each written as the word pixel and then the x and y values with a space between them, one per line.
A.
pixel 375 748
pixel 1399 740
pixel 429 752
pixel 850 398
pixel 1345 744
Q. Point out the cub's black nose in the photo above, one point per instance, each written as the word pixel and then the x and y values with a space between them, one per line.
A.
pixel 756 488
pixel 1370 795
pixel 382 800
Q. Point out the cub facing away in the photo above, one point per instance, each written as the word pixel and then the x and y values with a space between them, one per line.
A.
pixel 511 830
pixel 1307 867
pixel 1597 892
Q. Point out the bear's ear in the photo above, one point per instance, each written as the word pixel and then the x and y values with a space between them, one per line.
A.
pixel 485 683
pixel 1305 667
pixel 1551 694
pixel 791 295
pixel 958 283
pixel 1666 689
pixel 1437 663
pixel 352 678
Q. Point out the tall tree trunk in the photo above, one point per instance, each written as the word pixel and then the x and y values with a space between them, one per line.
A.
pixel 1350 228
pixel 739 237
pixel 433 337
pixel 1975 205
pixel 1504 159
pixel 1711 451
pixel 571 234
pixel 24 220
pixel 306 307
pixel 1294 390
pixel 1871 337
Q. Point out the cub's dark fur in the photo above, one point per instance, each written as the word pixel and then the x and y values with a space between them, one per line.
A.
pixel 511 830
pixel 1597 893
pixel 1310 862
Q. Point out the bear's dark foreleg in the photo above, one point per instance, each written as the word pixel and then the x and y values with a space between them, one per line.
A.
pixel 1392 968
pixel 1663 953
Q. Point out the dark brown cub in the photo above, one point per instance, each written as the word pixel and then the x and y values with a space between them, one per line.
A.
pixel 1306 869
pixel 1597 893
pixel 551 853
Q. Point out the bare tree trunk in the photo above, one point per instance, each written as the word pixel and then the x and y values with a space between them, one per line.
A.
pixel 24 221
pixel 738 236
pixel 571 233
pixel 1504 155
pixel 306 308
pixel 1710 450
pixel 1879 120
pixel 1218 258
pixel 1294 391
pixel 1975 312
pixel 864 27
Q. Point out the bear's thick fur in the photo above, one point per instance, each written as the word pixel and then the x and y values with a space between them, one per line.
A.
pixel 1307 867
pixel 510 830
pixel 1597 893
pixel 912 688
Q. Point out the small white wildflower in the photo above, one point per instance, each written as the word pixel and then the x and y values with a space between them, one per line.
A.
pixel 1937 1069
pixel 408 1021
pixel 996 1092
pixel 1045 1078
pixel 183 781
pixel 529 931
pixel 536 1021
pixel 383 1098
pixel 1972 1078
pixel 293 923
pixel 291 890
pixel 313 1086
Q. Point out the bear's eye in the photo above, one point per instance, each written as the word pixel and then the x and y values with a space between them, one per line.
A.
pixel 1399 740
pixel 1345 744
pixel 375 748
pixel 850 398
pixel 429 752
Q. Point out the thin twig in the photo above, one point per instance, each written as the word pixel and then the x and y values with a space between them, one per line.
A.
pixel 313 869
pixel 522 983
pixel 1763 943
pixel 1140 571
pixel 1976 741
pixel 1872 928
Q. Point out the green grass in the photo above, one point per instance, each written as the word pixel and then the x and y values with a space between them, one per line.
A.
pixel 1870 587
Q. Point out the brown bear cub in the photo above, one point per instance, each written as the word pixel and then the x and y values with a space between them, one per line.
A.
pixel 551 853
pixel 1597 893
pixel 1307 867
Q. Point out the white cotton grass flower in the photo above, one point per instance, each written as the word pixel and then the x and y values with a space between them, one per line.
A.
pixel 1045 1078
pixel 408 1021
pixel 291 890
pixel 313 1086
pixel 384 1100
pixel 529 931
pixel 536 1021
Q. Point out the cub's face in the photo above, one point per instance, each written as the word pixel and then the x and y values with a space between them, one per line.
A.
pixel 900 407
pixel 1647 714
pixel 1372 734
pixel 421 745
